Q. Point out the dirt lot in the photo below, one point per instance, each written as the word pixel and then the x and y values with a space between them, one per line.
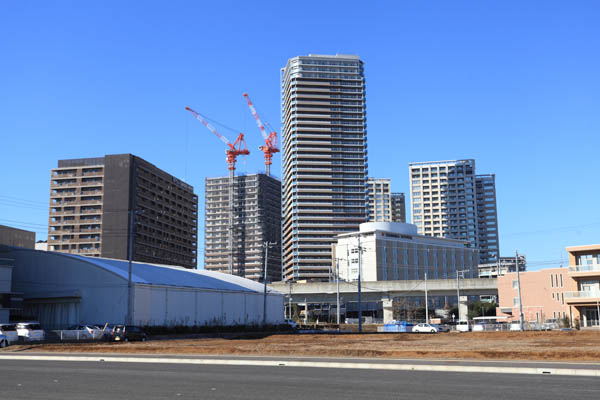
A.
pixel 555 345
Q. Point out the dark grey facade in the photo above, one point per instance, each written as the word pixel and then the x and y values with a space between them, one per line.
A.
pixel 487 218
pixel 16 237
pixel 398 207
pixel 256 219
pixel 92 201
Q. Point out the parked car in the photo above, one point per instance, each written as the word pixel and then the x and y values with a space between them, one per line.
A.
pixel 442 327
pixel 10 331
pixel 86 332
pixel 3 341
pixel 550 324
pixel 463 326
pixel 30 331
pixel 291 323
pixel 424 328
pixel 125 333
pixel 515 326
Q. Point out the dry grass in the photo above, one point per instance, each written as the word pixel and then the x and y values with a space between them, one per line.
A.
pixel 551 346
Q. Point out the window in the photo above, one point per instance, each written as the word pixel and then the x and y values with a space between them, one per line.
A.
pixel 551 280
pixel 561 282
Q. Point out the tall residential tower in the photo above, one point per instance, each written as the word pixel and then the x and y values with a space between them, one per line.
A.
pixel 256 220
pixel 449 200
pixel 380 199
pixel 324 159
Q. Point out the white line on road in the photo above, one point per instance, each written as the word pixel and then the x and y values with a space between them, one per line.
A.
pixel 317 364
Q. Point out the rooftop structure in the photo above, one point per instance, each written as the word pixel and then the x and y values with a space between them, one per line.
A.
pixel 501 267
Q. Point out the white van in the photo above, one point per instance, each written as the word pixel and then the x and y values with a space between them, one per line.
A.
pixel 30 331
pixel 463 326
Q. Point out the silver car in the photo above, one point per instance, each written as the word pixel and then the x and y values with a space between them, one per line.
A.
pixel 10 331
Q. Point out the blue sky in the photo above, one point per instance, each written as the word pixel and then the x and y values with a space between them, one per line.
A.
pixel 513 84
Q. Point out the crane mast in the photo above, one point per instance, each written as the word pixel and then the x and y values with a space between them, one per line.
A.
pixel 234 149
pixel 270 146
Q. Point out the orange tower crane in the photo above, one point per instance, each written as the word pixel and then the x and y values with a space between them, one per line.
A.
pixel 270 146
pixel 235 149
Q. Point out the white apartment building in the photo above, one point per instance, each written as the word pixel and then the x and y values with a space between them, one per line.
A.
pixel 395 251
pixel 449 200
pixel 380 200
pixel 324 159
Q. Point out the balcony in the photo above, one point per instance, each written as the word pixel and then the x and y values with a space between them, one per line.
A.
pixel 587 270
pixel 583 296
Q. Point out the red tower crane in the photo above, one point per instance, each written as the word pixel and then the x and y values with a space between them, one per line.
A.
pixel 235 149
pixel 270 146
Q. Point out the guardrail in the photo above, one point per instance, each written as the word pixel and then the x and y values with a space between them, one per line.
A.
pixel 585 268
pixel 582 294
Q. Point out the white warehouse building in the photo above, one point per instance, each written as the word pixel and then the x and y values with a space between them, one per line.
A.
pixel 61 290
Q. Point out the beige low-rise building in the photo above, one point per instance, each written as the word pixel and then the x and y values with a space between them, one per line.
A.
pixel 584 270
pixel 543 295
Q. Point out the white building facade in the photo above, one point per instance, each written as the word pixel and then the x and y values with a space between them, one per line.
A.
pixel 395 251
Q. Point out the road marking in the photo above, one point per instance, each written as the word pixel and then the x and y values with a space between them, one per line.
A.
pixel 318 364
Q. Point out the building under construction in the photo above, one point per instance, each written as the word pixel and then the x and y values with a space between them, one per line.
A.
pixel 256 220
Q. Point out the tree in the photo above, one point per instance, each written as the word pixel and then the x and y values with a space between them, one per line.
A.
pixel 482 309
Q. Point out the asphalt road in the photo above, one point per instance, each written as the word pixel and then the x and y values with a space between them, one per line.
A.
pixel 99 380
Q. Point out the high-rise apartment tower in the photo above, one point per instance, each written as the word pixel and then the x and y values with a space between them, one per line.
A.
pixel 487 218
pixel 324 159
pixel 449 200
pixel 93 202
pixel 256 220
pixel 380 200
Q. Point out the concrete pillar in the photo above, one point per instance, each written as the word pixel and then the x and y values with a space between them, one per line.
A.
pixel 463 309
pixel 388 310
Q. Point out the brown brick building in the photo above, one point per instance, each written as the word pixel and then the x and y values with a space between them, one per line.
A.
pixel 90 211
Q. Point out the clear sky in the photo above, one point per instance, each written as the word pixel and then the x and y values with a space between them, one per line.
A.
pixel 513 84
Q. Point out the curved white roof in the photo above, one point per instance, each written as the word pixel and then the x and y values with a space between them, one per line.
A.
pixel 166 275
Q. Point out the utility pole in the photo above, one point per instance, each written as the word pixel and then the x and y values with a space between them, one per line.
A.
pixel 519 290
pixel 290 315
pixel 426 302
pixel 337 284
pixel 458 294
pixel 129 318
pixel 359 291
pixel 266 245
